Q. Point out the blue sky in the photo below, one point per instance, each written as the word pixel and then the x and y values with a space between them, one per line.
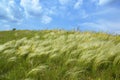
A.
pixel 88 15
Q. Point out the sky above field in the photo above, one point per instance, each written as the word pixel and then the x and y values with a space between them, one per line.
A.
pixel 88 15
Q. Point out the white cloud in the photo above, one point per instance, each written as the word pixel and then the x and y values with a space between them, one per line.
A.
pixel 50 11
pixel 46 19
pixel 31 7
pixel 95 26
pixel 78 4
pixel 103 2
pixel 10 11
pixel 103 25
pixel 105 11
pixel 81 14
pixel 63 2
pixel 4 9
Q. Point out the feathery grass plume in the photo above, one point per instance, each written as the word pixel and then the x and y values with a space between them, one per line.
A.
pixel 20 42
pixel 112 53
pixel 2 48
pixel 74 74
pixel 28 79
pixel 8 53
pixel 23 51
pixel 39 70
pixel 61 55
pixel 53 56
pixel 87 57
pixel 33 55
pixel 116 61
pixel 12 59
pixel 37 37
pixel 101 62
pixel 71 62
pixel 46 42
pixel 56 59
pixel 75 54
pixel 9 45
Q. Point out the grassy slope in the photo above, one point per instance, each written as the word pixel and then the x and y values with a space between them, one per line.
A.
pixel 16 35
pixel 59 55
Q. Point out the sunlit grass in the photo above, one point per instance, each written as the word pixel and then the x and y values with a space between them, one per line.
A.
pixel 61 55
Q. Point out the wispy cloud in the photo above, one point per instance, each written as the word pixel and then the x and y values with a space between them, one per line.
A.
pixel 63 2
pixel 94 26
pixel 46 19
pixel 103 2
pixel 78 4
pixel 31 7
pixel 108 2
pixel 9 10
pixel 102 25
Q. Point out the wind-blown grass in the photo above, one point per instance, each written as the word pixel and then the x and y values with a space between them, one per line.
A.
pixel 61 55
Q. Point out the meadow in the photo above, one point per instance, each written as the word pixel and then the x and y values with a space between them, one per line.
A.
pixel 59 55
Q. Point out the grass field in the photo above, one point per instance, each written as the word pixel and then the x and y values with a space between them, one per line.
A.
pixel 59 55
